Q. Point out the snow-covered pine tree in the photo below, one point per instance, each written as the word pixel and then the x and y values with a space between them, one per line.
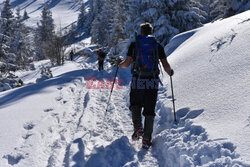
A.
pixel 184 17
pixel 206 7
pixel 45 34
pixel 71 34
pixel 134 17
pixel 158 13
pixel 101 25
pixel 81 21
pixel 117 31
pixel 49 45
pixel 219 8
pixel 7 44
pixel 47 24
pixel 25 15
pixel 227 8
pixel 4 52
pixel 95 8
pixel 21 43
pixel 7 57
pixel 58 48
pixel 199 9
pixel 168 17
pixel 98 33
pixel 8 19
pixel 239 6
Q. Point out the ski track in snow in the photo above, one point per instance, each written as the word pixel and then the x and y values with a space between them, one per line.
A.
pixel 80 133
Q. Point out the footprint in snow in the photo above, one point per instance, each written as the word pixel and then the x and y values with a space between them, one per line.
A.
pixel 13 159
pixel 86 99
pixel 48 110
pixel 248 121
pixel 189 144
pixel 54 114
pixel 72 89
pixel 28 125
pixel 58 98
pixel 26 136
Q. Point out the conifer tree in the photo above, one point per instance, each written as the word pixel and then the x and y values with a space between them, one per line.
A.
pixel 168 17
pixel 45 33
pixel 21 44
pixel 25 15
pixel 47 24
pixel 7 57
pixel 81 18
pixel 239 6
pixel 49 45
pixel 220 8
pixel 101 24
pixel 227 8
pixel 7 19
pixel 117 31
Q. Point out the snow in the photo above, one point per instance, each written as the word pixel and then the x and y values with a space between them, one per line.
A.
pixel 212 74
pixel 64 12
pixel 59 122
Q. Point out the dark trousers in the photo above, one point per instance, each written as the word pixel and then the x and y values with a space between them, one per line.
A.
pixel 143 94
pixel 100 62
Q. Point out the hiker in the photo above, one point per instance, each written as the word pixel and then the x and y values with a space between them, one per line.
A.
pixel 71 54
pixel 101 56
pixel 144 55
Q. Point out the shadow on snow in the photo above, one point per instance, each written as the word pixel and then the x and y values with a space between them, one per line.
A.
pixel 187 144
pixel 28 90
pixel 177 41
pixel 118 153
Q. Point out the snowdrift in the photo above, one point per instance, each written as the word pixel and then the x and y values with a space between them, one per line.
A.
pixel 212 74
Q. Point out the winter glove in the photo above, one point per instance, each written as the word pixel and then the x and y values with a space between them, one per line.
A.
pixel 118 61
pixel 172 72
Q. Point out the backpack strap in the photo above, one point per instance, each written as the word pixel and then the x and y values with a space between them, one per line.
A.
pixel 137 56
pixel 155 56
pixel 138 61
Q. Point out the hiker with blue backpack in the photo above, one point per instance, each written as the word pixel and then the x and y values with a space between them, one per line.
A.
pixel 144 55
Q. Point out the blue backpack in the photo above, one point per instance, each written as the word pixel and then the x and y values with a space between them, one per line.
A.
pixel 146 61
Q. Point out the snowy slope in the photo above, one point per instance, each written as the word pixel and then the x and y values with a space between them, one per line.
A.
pixel 64 12
pixel 59 122
pixel 213 75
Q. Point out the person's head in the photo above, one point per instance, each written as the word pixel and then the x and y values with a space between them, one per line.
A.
pixel 146 29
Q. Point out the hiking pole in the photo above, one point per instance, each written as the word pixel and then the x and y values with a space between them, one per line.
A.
pixel 173 98
pixel 112 88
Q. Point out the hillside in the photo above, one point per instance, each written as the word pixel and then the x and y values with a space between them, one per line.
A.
pixel 212 74
pixel 64 12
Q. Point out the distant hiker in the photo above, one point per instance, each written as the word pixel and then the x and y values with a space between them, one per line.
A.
pixel 101 56
pixel 144 55
pixel 71 54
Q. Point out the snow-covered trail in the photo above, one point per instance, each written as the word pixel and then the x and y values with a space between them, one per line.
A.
pixel 103 139
pixel 76 131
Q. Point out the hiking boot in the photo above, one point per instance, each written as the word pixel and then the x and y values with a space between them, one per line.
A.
pixel 138 132
pixel 146 143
